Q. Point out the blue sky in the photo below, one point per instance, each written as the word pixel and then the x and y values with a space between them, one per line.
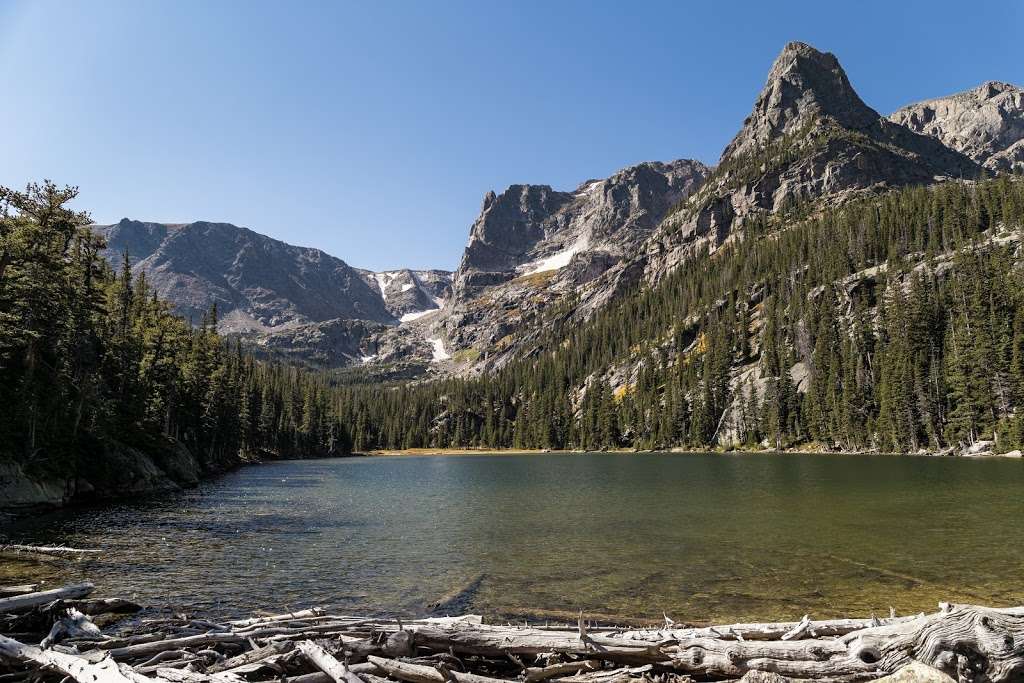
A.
pixel 372 130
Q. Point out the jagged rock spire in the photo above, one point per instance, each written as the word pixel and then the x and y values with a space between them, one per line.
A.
pixel 802 84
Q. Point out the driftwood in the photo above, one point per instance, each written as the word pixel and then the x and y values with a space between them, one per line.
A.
pixel 319 657
pixel 970 644
pixel 27 601
pixel 81 669
pixel 73 624
pixel 58 550
pixel 416 673
pixel 8 591
pixel 765 631
pixel 460 599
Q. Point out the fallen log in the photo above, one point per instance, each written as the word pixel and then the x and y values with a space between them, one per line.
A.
pixel 499 640
pixel 81 669
pixel 322 660
pixel 460 599
pixel 288 616
pixel 8 591
pixel 155 646
pixel 249 660
pixel 20 603
pixel 187 676
pixel 762 631
pixel 535 674
pixel 59 550
pixel 954 641
pixel 73 624
pixel 417 673
pixel 362 670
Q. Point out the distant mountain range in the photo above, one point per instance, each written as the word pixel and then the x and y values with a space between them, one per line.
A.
pixel 809 139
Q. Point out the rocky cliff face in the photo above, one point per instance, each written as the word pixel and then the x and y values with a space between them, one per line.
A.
pixel 810 137
pixel 410 294
pixel 986 123
pixel 531 228
pixel 532 245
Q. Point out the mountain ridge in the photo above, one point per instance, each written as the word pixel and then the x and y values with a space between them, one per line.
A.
pixel 809 140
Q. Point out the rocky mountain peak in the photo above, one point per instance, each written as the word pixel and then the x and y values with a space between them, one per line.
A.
pixel 986 123
pixel 803 84
pixel 809 138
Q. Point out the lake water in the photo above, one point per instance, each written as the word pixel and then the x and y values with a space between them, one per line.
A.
pixel 699 537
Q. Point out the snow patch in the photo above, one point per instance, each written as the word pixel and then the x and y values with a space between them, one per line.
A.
pixel 383 280
pixel 556 260
pixel 590 187
pixel 407 286
pixel 367 359
pixel 439 351
pixel 409 317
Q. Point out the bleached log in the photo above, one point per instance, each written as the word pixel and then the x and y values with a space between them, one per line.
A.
pixel 499 640
pixel 187 676
pixel 73 624
pixel 961 639
pixel 58 550
pixel 623 675
pixel 759 631
pixel 20 603
pixel 535 674
pixel 251 660
pixel 287 616
pixel 363 670
pixel 81 669
pixel 324 661
pixel 417 673
pixel 153 647
pixel 8 591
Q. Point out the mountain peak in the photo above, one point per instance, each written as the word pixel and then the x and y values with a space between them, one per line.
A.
pixel 803 84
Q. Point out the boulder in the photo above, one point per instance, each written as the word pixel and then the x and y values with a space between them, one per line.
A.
pixel 916 672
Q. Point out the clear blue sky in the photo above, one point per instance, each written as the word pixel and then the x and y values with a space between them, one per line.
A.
pixel 372 130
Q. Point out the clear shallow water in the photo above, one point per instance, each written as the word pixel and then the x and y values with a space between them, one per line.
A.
pixel 700 537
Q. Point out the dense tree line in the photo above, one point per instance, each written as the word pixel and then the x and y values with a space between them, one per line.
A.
pixel 90 356
pixel 893 323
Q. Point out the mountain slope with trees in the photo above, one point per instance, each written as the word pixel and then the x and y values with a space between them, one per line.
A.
pixel 107 392
pixel 893 323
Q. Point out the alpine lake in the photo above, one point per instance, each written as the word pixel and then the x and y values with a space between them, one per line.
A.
pixel 697 537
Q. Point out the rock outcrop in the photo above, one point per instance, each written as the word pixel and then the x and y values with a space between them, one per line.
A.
pixel 114 471
pixel 809 138
pixel 409 294
pixel 532 245
pixel 533 228
pixel 986 123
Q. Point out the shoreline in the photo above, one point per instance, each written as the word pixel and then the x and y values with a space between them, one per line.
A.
pixel 405 452
pixel 315 646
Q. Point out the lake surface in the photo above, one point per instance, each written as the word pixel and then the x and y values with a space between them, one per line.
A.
pixel 699 537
